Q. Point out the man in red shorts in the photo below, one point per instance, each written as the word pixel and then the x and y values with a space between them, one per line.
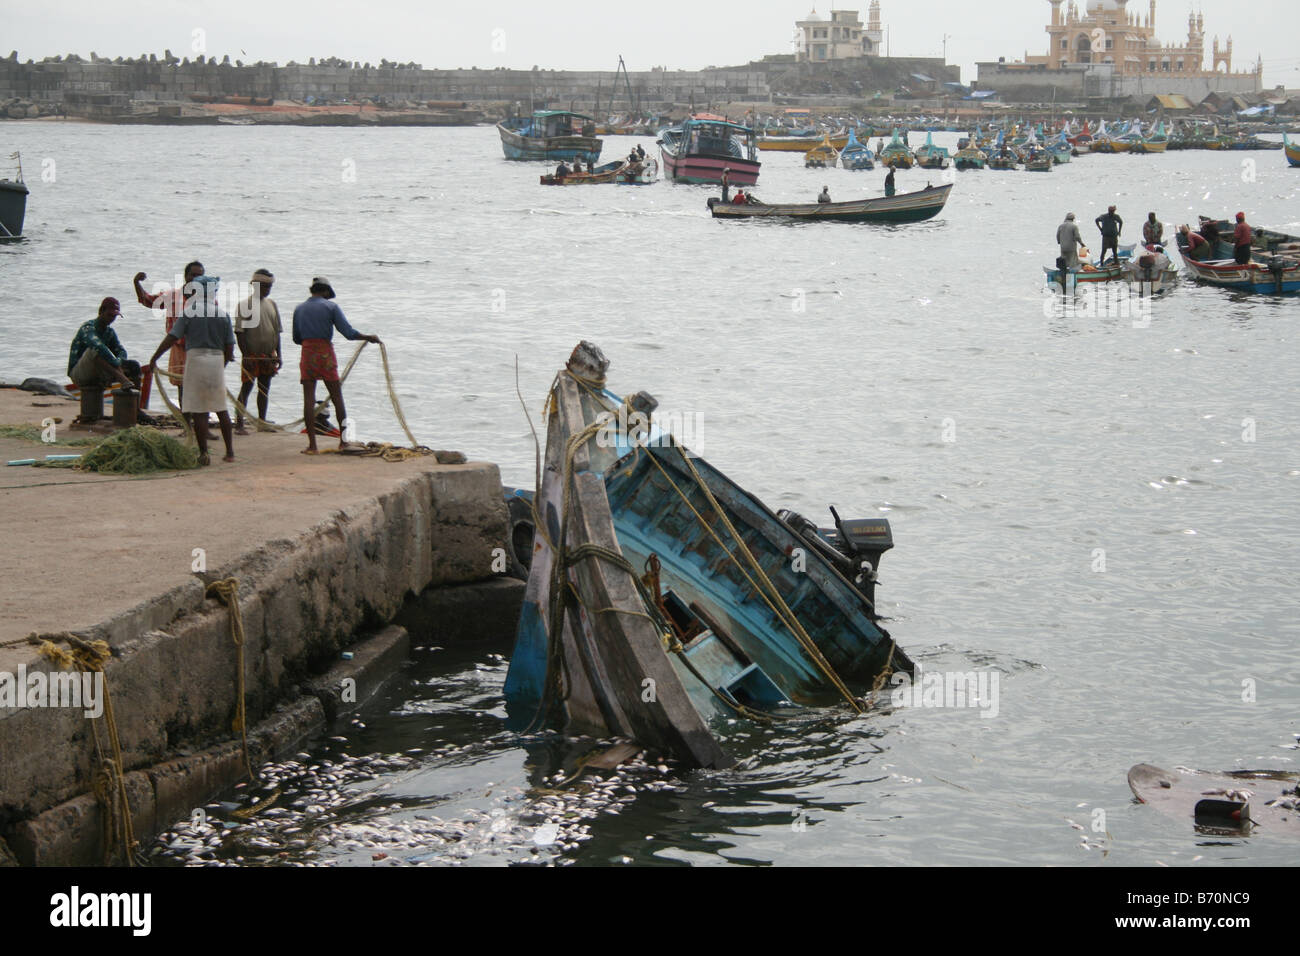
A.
pixel 314 322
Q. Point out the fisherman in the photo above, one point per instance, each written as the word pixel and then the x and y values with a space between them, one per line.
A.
pixel 640 151
pixel 1210 230
pixel 726 184
pixel 1110 225
pixel 1069 239
pixel 173 301
pixel 1197 246
pixel 740 199
pixel 314 322
pixel 258 335
pixel 824 195
pixel 562 171
pixel 97 356
pixel 889 182
pixel 1153 231
pixel 1242 237
pixel 209 347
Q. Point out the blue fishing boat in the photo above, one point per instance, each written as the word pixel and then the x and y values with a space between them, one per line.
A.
pixel 929 156
pixel 896 154
pixel 1292 151
pixel 1273 269
pixel 855 155
pixel 550 135
pixel 664 602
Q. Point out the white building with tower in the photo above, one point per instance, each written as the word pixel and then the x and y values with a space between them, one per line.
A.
pixel 839 36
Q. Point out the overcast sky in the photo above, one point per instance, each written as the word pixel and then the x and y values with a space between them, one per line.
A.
pixel 563 34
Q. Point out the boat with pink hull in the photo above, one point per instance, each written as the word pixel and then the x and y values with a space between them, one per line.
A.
pixel 701 147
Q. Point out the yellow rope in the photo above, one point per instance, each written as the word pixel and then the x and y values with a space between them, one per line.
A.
pixel 227 592
pixel 109 784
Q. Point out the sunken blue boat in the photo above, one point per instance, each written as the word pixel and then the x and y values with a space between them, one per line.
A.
pixel 550 135
pixel 664 601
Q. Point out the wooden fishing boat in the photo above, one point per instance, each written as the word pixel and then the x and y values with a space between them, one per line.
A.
pixel 700 148
pixel 1005 159
pixel 1039 161
pixel 822 155
pixel 601 174
pixel 855 155
pixel 1292 151
pixel 800 142
pixel 1157 142
pixel 929 156
pixel 550 135
pixel 1273 269
pixel 661 602
pixel 896 154
pixel 641 173
pixel 903 207
pixel 1150 277
pixel 970 157
pixel 13 205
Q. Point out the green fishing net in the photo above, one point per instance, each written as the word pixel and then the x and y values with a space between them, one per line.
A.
pixel 136 451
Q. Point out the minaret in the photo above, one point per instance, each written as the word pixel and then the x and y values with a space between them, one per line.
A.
pixel 1056 11
pixel 873 17
pixel 1151 19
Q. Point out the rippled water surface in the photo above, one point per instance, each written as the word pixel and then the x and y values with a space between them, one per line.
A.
pixel 920 372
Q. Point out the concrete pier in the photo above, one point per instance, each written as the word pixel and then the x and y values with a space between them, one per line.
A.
pixel 326 549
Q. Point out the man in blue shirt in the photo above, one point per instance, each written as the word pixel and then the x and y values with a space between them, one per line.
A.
pixel 97 356
pixel 314 322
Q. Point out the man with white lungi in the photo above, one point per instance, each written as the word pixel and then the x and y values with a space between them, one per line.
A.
pixel 209 347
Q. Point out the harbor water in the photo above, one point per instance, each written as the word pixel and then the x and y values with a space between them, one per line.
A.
pixel 1092 499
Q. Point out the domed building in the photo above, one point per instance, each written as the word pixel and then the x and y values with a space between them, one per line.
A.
pixel 1108 32
pixel 840 36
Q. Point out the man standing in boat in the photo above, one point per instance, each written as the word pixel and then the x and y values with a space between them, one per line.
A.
pixel 314 322
pixel 1110 225
pixel 726 184
pixel 889 182
pixel 1242 237
pixel 1069 239
pixel 824 195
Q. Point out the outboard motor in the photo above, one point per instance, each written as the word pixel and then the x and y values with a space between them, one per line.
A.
pixel 853 547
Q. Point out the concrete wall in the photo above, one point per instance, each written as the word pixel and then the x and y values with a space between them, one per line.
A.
pixel 1016 81
pixel 173 675
pixel 45 83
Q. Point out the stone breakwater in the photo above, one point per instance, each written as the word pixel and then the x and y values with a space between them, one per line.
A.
pixel 414 540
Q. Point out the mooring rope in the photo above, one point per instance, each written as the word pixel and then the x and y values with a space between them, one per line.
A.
pixel 109 784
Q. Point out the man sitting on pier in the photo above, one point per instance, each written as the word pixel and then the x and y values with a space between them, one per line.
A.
pixel 314 322
pixel 97 357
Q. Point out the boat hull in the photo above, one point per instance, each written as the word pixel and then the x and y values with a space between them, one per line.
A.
pixel 548 148
pixel 904 207
pixel 1292 153
pixel 798 144
pixel 13 209
pixel 1271 271
pixel 707 168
